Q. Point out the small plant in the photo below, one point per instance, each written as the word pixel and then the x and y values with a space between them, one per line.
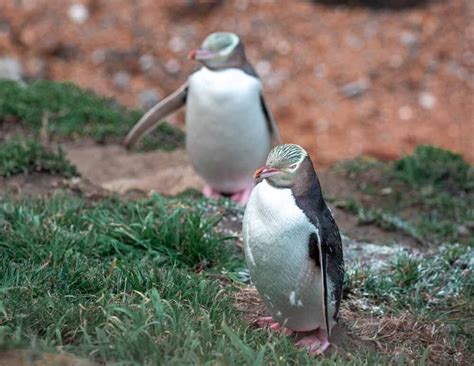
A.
pixel 430 165
pixel 27 156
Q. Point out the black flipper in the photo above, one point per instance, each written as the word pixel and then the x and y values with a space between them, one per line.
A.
pixel 326 242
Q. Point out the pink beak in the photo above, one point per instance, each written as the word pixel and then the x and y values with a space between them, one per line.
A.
pixel 200 54
pixel 265 172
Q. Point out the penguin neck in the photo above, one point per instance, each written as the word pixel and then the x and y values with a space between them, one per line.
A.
pixel 245 66
pixel 306 188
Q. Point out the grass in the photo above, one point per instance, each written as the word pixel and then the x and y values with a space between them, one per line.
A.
pixel 432 294
pixel 28 156
pixel 153 281
pixel 428 194
pixel 71 112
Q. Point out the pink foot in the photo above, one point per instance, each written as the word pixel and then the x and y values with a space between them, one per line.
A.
pixel 242 196
pixel 316 343
pixel 273 325
pixel 210 192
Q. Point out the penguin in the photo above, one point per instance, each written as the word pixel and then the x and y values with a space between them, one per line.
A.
pixel 229 126
pixel 293 248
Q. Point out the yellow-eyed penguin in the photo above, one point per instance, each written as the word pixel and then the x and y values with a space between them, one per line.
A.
pixel 293 248
pixel 229 127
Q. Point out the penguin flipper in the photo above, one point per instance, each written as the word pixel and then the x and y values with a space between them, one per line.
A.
pixel 271 122
pixel 154 116
pixel 318 254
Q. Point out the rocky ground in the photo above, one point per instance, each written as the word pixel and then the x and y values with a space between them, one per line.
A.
pixel 344 78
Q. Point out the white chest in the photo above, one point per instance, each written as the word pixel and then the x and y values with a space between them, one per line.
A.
pixel 276 233
pixel 226 131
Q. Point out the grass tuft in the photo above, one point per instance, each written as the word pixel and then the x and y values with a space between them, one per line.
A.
pixel 28 156
pixel 429 195
pixel 71 112
pixel 430 165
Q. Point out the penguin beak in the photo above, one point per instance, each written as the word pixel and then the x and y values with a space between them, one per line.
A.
pixel 200 54
pixel 265 172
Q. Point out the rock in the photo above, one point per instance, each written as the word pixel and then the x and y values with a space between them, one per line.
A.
pixel 263 68
pixel 146 61
pixel 172 66
pixel 405 113
pixel 176 44
pixel 98 56
pixel 122 80
pixel 355 88
pixel 10 69
pixel 462 230
pixel 320 71
pixel 396 61
pixel 409 39
pixel 148 98
pixel 426 100
pixel 78 13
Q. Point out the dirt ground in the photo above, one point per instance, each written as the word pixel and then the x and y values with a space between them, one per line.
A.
pixel 342 80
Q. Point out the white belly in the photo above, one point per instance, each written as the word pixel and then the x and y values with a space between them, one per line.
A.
pixel 227 137
pixel 276 234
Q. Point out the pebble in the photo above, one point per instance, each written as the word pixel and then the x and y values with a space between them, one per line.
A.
pixel 427 100
pixel 148 98
pixel 462 230
pixel 78 13
pixel 10 69
pixel 172 66
pixel 320 71
pixel 122 80
pixel 98 56
pixel 146 61
pixel 405 113
pixel 409 39
pixel 176 44
pixel 355 88
pixel 396 61
pixel 263 68
pixel 322 125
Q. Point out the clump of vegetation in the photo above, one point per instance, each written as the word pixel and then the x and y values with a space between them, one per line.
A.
pixel 428 194
pixel 424 301
pixel 72 112
pixel 430 165
pixel 28 156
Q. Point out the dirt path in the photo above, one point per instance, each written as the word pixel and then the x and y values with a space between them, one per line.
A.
pixel 114 168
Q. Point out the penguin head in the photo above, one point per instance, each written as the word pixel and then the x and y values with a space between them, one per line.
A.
pixel 283 166
pixel 220 50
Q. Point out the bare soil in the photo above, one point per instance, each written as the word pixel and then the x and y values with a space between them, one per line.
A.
pixel 342 80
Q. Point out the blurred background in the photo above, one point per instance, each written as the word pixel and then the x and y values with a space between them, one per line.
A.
pixel 343 78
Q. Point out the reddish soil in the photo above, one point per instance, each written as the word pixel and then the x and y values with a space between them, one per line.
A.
pixel 413 65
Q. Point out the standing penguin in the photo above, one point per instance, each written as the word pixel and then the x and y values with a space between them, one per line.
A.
pixel 293 248
pixel 229 127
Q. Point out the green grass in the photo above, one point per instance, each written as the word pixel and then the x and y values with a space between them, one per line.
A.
pixel 131 282
pixel 28 156
pixel 152 281
pixel 72 112
pixel 428 194
pixel 432 166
